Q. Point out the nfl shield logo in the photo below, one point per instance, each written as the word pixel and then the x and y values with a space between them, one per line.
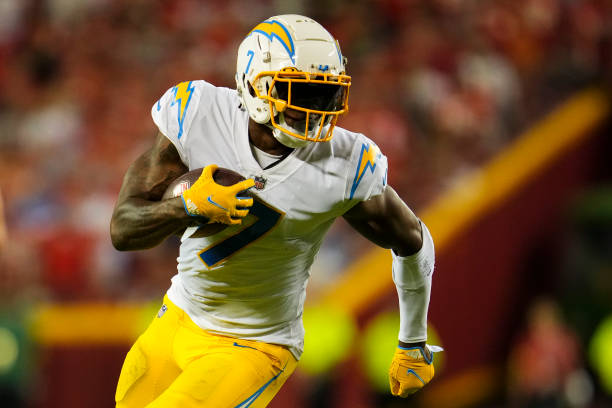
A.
pixel 162 311
pixel 260 182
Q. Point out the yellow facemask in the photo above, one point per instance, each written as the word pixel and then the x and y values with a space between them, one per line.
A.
pixel 322 97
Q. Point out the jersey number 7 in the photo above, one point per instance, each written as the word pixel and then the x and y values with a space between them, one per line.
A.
pixel 267 218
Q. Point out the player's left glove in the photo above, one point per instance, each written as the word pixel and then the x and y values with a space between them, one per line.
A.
pixel 411 369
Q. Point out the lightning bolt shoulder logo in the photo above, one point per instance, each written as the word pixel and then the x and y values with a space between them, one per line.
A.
pixel 274 29
pixel 367 160
pixel 182 96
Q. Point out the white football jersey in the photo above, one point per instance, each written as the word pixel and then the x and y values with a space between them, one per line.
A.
pixel 249 281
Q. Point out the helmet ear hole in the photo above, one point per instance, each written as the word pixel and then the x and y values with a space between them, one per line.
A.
pixel 251 90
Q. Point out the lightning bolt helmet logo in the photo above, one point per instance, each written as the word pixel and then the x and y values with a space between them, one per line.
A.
pixel 273 29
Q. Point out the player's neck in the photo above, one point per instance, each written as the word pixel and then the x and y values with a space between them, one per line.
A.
pixel 261 137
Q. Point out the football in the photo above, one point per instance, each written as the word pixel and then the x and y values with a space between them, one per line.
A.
pixel 222 176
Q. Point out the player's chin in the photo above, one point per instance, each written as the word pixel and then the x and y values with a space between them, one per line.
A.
pixel 296 126
pixel 294 115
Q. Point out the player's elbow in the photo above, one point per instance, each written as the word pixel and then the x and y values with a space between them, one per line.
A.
pixel 410 241
pixel 119 239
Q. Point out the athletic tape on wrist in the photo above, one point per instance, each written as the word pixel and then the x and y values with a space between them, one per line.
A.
pixel 413 276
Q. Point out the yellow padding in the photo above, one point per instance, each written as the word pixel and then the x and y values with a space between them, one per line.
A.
pixel 369 277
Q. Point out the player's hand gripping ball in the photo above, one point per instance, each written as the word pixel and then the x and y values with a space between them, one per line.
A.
pixel 214 196
pixel 411 369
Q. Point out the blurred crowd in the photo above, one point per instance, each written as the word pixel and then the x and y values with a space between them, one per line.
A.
pixel 440 85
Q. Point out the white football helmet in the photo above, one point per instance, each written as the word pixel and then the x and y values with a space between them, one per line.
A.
pixel 291 61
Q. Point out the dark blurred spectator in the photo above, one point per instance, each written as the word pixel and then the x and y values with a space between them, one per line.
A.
pixel 544 360
pixel 587 279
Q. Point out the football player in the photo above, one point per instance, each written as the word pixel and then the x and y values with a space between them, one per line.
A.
pixel 229 332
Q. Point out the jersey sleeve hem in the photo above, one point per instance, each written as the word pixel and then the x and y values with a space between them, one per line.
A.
pixel 178 148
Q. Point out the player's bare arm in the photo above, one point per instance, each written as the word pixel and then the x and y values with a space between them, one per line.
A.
pixel 388 222
pixel 140 220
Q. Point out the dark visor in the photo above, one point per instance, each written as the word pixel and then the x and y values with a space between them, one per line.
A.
pixel 315 96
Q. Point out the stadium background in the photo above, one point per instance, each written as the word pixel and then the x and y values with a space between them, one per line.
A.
pixel 495 119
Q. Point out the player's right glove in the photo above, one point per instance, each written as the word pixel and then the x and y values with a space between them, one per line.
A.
pixel 218 203
pixel 411 369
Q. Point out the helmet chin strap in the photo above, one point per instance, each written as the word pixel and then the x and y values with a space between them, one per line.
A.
pixel 288 140
pixel 284 138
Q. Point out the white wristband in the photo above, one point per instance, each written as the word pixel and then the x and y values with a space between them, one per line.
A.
pixel 412 276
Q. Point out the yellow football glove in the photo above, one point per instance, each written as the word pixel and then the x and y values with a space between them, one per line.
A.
pixel 218 203
pixel 411 369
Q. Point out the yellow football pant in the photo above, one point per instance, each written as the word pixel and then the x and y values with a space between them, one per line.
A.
pixel 175 363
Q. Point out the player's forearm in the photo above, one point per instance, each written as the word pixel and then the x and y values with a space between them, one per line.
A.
pixel 413 277
pixel 141 224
